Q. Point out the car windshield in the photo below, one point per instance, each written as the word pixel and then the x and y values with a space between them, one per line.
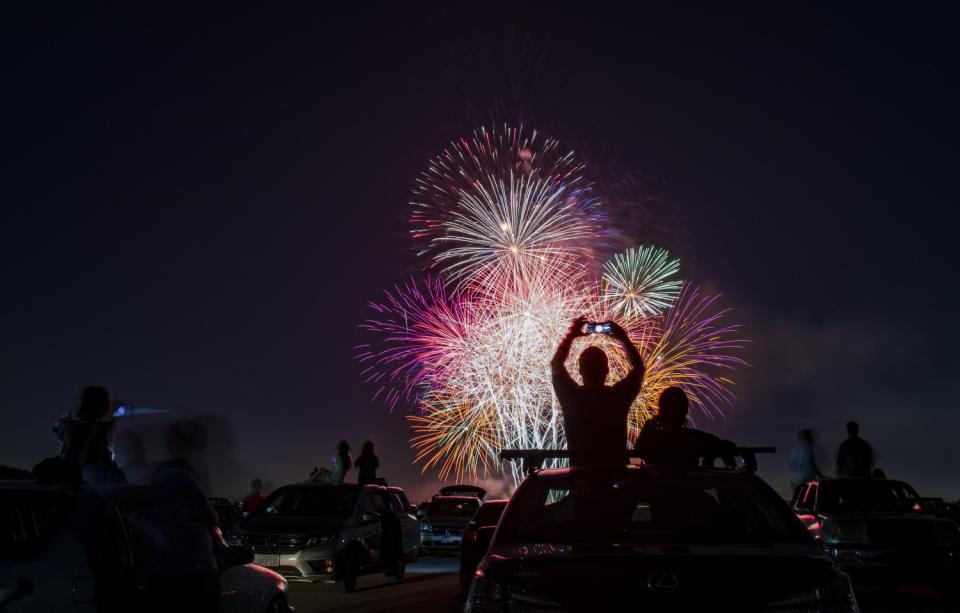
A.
pixel 648 510
pixel 313 501
pixel 489 513
pixel 844 496
pixel 28 520
pixel 453 508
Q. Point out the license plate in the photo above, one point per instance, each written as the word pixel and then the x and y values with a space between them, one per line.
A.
pixel 266 559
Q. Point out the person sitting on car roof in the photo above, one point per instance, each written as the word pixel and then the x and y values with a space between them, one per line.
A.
pixel 595 414
pixel 665 439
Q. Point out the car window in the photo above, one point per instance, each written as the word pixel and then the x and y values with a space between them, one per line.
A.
pixel 28 520
pixel 567 510
pixel 404 502
pixel 489 513
pixel 453 508
pixel 854 495
pixel 313 501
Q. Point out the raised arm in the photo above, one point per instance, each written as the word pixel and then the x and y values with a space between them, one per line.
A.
pixel 558 363
pixel 633 355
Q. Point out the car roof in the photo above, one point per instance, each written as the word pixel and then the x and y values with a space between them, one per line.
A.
pixel 849 480
pixel 495 502
pixel 306 484
pixel 456 498
pixel 31 486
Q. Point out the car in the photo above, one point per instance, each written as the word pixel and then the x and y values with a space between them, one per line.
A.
pixel 877 530
pixel 647 537
pixel 441 527
pixel 472 548
pixel 50 531
pixel 941 508
pixel 320 532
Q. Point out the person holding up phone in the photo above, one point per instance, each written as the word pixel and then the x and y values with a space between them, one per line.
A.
pixel 595 414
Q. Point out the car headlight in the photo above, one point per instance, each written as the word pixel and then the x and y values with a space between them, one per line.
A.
pixel 833 596
pixel 425 527
pixel 313 541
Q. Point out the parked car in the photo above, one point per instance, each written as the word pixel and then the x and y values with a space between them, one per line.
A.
pixel 473 548
pixel 441 527
pixel 639 538
pixel 325 532
pixel 941 508
pixel 227 512
pixel 50 534
pixel 877 530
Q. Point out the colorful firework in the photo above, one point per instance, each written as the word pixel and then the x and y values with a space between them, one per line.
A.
pixel 470 347
pixel 640 282
pixel 504 199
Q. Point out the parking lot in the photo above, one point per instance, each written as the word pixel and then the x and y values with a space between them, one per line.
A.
pixel 430 586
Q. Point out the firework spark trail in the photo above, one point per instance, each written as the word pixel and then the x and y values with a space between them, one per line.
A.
pixel 641 282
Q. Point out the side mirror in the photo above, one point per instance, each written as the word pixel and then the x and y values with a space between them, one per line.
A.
pixel 484 536
pixel 238 555
pixel 369 518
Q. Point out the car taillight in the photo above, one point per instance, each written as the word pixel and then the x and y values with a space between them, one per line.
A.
pixel 469 536
pixel 486 594
pixel 813 525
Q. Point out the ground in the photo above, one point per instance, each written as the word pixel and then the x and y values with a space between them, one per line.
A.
pixel 430 586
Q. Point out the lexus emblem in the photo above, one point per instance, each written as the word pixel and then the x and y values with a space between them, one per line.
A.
pixel 663 581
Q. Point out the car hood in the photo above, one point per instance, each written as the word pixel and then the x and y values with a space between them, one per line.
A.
pixel 709 577
pixel 288 525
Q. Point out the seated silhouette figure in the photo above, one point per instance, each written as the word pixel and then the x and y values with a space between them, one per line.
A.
pixel 665 439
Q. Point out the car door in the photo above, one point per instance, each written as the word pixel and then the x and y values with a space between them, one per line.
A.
pixel 368 533
pixel 409 524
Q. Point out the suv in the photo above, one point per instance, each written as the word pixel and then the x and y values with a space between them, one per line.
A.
pixel 878 529
pixel 50 534
pixel 444 520
pixel 648 537
pixel 326 532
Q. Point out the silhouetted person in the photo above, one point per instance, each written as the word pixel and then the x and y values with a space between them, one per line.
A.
pixel 189 576
pixel 252 502
pixel 803 465
pixel 367 465
pixel 665 439
pixel 342 462
pixel 878 474
pixel 595 414
pixel 89 427
pixel 855 455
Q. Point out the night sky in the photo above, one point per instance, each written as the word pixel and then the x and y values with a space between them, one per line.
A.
pixel 198 202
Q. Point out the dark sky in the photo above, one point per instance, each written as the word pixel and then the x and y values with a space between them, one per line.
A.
pixel 198 202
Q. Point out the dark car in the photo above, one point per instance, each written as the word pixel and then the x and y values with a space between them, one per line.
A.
pixel 877 530
pixel 941 508
pixel 441 527
pixel 474 546
pixel 653 538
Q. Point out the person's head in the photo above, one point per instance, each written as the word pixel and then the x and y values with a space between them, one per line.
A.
pixel 805 436
pixel 672 407
pixel 95 403
pixel 853 428
pixel 593 366
pixel 368 448
pixel 256 485
pixel 343 448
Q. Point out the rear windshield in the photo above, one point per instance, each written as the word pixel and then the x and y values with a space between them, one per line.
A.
pixel 312 501
pixel 648 510
pixel 28 520
pixel 841 496
pixel 489 513
pixel 453 508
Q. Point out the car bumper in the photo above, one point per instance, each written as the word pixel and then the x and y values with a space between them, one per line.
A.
pixel 875 566
pixel 433 541
pixel 314 564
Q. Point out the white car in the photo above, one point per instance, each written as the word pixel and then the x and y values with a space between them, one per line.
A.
pixel 48 531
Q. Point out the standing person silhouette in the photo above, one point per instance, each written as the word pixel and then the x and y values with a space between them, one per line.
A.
pixel 253 500
pixel 595 414
pixel 803 464
pixel 367 464
pixel 342 462
pixel 855 455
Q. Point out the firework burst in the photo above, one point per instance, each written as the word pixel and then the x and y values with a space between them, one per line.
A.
pixel 640 282
pixel 506 221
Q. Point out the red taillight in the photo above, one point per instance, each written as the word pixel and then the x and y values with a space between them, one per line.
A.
pixel 812 524
pixel 469 536
pixel 917 507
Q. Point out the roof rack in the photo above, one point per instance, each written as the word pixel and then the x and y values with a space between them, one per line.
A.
pixel 532 459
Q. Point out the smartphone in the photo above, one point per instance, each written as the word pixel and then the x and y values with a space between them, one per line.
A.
pixel 599 328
